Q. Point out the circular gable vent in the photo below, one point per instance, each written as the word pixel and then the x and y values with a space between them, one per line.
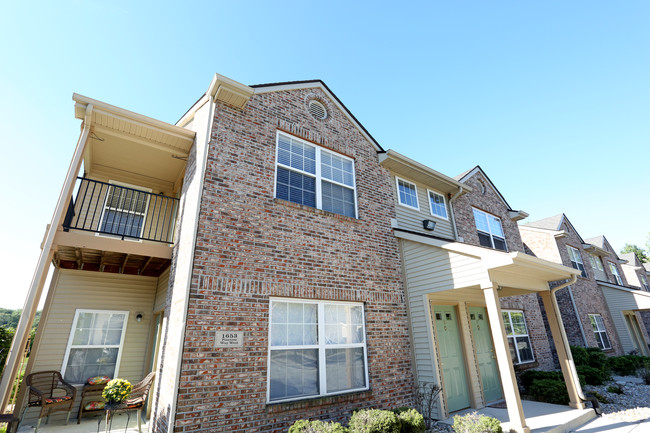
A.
pixel 317 110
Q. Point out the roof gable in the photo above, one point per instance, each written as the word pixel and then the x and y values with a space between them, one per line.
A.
pixel 463 177
pixel 550 223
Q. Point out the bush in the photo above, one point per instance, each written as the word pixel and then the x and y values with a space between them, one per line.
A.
pixel 549 391
pixel 529 376
pixel 626 365
pixel 615 389
pixel 374 421
pixel 475 423
pixel 593 376
pixel 411 420
pixel 304 426
pixel 597 359
pixel 580 356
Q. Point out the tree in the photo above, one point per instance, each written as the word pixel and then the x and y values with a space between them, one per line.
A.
pixel 640 253
pixel 6 335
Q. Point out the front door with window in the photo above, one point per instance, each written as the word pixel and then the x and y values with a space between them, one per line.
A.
pixel 485 354
pixel 452 358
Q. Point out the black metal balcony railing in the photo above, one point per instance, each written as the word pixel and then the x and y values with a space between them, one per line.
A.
pixel 114 210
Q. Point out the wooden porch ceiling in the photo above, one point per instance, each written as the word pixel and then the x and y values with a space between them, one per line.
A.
pixel 88 259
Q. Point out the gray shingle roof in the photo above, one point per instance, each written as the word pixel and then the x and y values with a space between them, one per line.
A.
pixel 550 223
pixel 599 241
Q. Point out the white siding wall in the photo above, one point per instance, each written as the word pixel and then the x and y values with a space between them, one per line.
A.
pixel 410 219
pixel 74 290
pixel 430 274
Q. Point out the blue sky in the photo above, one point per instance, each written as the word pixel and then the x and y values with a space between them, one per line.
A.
pixel 550 98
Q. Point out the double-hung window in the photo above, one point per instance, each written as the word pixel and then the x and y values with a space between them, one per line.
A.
pixel 521 350
pixel 124 211
pixel 644 282
pixel 437 204
pixel 617 277
pixel 490 231
pixel 312 176
pixel 596 262
pixel 316 348
pixel 598 325
pixel 407 193
pixel 576 260
pixel 94 345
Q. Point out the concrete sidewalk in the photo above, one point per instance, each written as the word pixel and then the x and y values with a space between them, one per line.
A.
pixel 614 426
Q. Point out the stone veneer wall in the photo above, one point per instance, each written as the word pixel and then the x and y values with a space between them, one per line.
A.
pixel 251 246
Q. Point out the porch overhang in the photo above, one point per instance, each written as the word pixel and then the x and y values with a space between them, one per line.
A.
pixel 127 145
pixel 513 273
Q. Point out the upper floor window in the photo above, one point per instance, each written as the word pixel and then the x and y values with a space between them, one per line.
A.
pixel 317 348
pixel 598 326
pixel 576 260
pixel 94 345
pixel 437 204
pixel 596 262
pixel 617 277
pixel 407 194
pixel 644 282
pixel 490 231
pixel 310 175
pixel 521 350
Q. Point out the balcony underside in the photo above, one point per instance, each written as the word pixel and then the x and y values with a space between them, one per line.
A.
pixel 88 259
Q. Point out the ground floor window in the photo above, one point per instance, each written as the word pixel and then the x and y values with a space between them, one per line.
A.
pixel 598 325
pixel 521 350
pixel 316 348
pixel 94 345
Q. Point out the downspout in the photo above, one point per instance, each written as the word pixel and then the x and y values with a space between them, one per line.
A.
pixel 451 211
pixel 574 373
pixel 40 273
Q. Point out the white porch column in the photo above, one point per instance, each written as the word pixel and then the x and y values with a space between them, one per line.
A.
pixel 564 355
pixel 504 361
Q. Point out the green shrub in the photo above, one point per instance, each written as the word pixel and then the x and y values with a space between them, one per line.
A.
pixel 374 421
pixel 529 376
pixel 601 398
pixel 411 420
pixel 592 375
pixel 305 426
pixel 615 389
pixel 625 365
pixel 549 391
pixel 580 356
pixel 475 423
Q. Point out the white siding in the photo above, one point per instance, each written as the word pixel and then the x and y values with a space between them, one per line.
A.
pixel 411 219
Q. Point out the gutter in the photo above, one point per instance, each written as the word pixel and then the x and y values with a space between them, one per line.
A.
pixel 451 211
pixel 574 372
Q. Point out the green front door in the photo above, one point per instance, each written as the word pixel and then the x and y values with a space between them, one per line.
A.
pixel 485 354
pixel 451 357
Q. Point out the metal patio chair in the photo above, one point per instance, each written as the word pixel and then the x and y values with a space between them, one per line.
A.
pixel 136 401
pixel 48 390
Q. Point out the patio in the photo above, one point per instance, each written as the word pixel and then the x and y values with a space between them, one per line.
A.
pixel 540 417
pixel 88 425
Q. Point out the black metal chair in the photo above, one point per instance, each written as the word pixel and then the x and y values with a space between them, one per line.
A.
pixel 136 401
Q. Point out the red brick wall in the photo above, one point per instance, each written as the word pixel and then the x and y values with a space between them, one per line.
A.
pixel 251 246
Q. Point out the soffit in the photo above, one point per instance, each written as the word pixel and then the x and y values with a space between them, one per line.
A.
pixel 405 167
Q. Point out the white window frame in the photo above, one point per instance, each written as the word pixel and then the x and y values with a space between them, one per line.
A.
pixel 321 346
pixel 317 175
pixel 617 276
pixel 576 260
pixel 399 198
pixel 444 204
pixel 492 235
pixel 644 282
pixel 515 336
pixel 596 262
pixel 105 207
pixel 119 347
pixel 598 331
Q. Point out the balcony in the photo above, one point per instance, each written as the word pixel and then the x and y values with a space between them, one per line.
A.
pixel 110 227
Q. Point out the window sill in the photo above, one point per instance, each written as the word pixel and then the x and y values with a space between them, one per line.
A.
pixel 315 210
pixel 348 397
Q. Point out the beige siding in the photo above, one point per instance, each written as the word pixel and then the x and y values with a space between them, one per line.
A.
pixel 618 302
pixel 430 274
pixel 95 291
pixel 411 219
pixel 161 292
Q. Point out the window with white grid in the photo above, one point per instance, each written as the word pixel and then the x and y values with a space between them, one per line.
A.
pixel 407 194
pixel 490 231
pixel 437 204
pixel 598 325
pixel 576 260
pixel 316 348
pixel 617 277
pixel 521 350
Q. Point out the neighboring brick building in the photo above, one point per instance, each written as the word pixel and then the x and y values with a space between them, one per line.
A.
pixel 586 317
